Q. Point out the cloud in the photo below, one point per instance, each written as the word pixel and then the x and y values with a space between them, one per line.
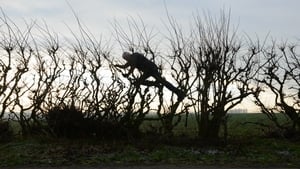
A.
pixel 260 17
pixel 255 16
pixel 33 8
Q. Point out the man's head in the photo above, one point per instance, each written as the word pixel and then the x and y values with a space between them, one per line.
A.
pixel 126 56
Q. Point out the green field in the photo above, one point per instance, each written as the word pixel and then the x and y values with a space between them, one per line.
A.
pixel 239 125
pixel 247 144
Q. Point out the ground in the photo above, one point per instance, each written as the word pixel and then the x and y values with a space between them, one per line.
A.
pixel 161 166
pixel 246 146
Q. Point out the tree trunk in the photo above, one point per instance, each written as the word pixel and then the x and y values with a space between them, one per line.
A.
pixel 215 125
pixel 203 125
pixel 209 129
pixel 292 113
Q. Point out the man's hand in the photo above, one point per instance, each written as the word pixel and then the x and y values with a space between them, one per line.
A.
pixel 122 66
pixel 125 74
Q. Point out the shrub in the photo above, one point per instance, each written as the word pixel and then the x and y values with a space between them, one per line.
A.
pixel 105 129
pixel 66 121
pixel 5 131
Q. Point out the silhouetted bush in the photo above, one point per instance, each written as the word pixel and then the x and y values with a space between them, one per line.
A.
pixel 70 122
pixel 66 121
pixel 105 129
pixel 210 64
pixel 5 131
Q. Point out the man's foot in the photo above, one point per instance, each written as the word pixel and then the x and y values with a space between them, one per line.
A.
pixel 151 83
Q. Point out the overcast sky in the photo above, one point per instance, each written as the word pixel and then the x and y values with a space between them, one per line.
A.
pixel 279 17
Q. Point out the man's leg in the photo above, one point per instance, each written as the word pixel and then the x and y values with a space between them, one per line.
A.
pixel 172 88
pixel 151 83
pixel 141 80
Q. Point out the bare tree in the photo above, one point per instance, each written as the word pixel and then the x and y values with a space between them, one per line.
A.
pixel 279 78
pixel 16 55
pixel 208 64
pixel 108 103
pixel 224 72
pixel 180 65
pixel 141 39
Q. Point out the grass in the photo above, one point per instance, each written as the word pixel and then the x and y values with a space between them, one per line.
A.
pixel 246 146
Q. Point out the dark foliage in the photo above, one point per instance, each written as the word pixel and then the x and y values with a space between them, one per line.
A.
pixel 66 121
pixel 109 129
pixel 210 65
pixel 5 131
pixel 70 122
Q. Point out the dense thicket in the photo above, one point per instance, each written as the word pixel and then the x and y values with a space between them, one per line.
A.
pixel 71 88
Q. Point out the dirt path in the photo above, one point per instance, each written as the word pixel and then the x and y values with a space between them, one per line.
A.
pixel 147 167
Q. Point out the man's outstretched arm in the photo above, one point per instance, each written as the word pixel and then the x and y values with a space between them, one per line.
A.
pixel 122 66
pixel 125 66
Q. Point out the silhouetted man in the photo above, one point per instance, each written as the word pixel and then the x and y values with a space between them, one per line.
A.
pixel 139 61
